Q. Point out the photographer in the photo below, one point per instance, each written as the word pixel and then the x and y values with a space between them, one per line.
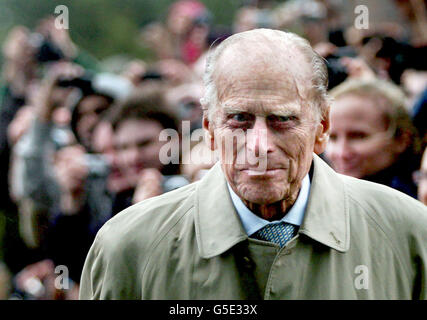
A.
pixel 73 196
pixel 27 54
pixel 138 173
pixel 18 72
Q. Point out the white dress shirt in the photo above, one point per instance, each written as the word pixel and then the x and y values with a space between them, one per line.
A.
pixel 252 223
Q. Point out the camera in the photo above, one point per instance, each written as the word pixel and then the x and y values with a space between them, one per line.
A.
pixel 84 83
pixel 106 84
pixel 46 50
pixel 151 75
pixel 97 164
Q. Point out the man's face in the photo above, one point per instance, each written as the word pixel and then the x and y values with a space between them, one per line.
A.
pixel 137 146
pixel 89 111
pixel 267 105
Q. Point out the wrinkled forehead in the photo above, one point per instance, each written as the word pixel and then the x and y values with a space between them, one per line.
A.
pixel 263 61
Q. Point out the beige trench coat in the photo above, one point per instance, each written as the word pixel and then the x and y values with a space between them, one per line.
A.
pixel 358 240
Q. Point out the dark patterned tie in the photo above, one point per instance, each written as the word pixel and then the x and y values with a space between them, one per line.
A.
pixel 279 233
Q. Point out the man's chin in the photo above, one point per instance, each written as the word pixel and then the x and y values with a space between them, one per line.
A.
pixel 261 196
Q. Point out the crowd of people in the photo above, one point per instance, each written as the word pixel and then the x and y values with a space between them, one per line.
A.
pixel 79 144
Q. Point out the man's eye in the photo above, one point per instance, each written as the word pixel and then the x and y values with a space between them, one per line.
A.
pixel 144 143
pixel 280 119
pixel 240 117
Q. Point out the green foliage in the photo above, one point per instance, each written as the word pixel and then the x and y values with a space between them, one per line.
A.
pixel 104 27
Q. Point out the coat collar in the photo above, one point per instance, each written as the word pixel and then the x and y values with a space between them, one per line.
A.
pixel 218 226
pixel 327 218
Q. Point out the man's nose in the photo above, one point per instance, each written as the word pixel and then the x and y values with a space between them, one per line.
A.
pixel 131 155
pixel 259 141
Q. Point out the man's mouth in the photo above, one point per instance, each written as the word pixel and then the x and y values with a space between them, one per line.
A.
pixel 262 171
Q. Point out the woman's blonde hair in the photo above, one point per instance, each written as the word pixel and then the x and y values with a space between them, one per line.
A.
pixel 390 98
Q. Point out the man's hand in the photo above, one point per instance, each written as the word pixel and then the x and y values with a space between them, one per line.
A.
pixel 71 173
pixel 59 36
pixel 134 71
pixel 174 71
pixel 325 49
pixel 71 168
pixel 20 124
pixel 357 68
pixel 149 185
pixel 45 101
pixel 38 279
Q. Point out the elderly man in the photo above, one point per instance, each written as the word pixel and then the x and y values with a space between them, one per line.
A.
pixel 292 229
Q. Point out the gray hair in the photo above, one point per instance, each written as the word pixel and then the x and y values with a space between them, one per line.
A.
pixel 319 81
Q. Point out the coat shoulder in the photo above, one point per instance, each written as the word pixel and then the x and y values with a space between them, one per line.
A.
pixel 385 205
pixel 123 246
pixel 142 223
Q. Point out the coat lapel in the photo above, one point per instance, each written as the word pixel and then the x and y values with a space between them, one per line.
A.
pixel 218 227
pixel 327 218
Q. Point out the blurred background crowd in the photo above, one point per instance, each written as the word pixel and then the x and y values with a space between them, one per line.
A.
pixel 80 126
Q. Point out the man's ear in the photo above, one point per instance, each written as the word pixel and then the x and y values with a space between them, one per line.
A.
pixel 209 132
pixel 322 133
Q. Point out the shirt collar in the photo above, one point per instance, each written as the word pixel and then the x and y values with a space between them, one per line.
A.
pixel 252 223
